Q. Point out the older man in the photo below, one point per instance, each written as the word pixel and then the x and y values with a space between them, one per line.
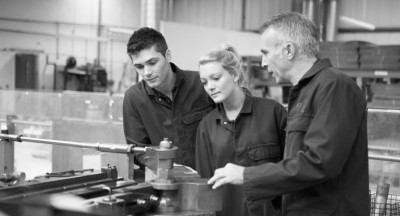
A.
pixel 325 165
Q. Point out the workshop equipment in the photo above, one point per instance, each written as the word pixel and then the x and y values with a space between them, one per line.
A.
pixel 12 178
pixel 172 192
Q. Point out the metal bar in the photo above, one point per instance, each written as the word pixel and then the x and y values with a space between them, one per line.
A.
pixel 383 148
pixel 384 158
pixel 48 123
pixel 102 147
pixel 58 23
pixel 97 63
pixel 6 150
pixel 57 41
pixel 7 147
pixel 376 30
pixel 170 10
pixel 331 25
pixel 243 18
pixel 383 110
pixel 108 147
pixel 60 142
pixel 54 35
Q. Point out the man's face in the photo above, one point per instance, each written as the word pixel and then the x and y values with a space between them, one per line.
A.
pixel 273 55
pixel 152 66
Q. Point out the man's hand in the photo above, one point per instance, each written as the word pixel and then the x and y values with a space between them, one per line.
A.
pixel 230 174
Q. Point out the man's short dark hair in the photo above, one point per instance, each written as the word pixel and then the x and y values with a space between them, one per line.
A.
pixel 145 38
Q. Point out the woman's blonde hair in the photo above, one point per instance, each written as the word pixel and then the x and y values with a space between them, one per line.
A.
pixel 230 60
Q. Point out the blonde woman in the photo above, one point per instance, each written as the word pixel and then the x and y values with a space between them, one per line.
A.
pixel 242 129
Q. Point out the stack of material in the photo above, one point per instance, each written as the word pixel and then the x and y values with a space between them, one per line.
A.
pixel 374 57
pixel 343 55
pixel 386 95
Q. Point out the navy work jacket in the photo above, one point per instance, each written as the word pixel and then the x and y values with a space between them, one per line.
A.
pixel 325 165
pixel 149 116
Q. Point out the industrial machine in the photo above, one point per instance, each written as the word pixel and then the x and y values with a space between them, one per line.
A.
pixel 83 78
pixel 102 192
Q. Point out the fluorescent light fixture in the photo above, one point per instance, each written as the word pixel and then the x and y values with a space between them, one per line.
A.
pixel 121 30
pixel 357 23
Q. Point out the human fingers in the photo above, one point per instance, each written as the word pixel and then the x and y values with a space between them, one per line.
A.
pixel 213 179
pixel 219 183
pixel 217 175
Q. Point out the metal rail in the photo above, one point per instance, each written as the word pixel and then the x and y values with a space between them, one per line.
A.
pixel 383 158
pixel 383 110
pixel 102 147
pixel 47 123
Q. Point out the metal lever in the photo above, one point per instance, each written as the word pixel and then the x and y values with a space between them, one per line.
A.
pixel 102 147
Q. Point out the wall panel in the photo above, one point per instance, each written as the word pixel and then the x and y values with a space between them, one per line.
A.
pixel 186 51
pixel 224 14
pixel 382 13
pixel 259 11
pixel 227 14
pixel 51 10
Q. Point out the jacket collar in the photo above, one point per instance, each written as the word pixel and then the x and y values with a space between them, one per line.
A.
pixel 247 108
pixel 180 79
pixel 317 67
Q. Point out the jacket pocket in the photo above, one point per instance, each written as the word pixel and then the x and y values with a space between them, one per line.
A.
pixel 296 130
pixel 263 153
pixel 196 114
pixel 190 122
pixel 300 122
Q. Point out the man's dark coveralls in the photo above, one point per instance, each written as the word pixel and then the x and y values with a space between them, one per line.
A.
pixel 149 116
pixel 325 165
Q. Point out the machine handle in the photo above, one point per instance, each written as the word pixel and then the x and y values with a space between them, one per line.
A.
pixel 102 147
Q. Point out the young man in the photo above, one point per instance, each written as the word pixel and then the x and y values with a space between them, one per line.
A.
pixel 167 103
pixel 325 165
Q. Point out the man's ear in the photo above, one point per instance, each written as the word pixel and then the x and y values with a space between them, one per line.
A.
pixel 236 78
pixel 290 50
pixel 168 55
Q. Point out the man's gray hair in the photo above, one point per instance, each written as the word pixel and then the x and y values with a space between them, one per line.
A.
pixel 297 29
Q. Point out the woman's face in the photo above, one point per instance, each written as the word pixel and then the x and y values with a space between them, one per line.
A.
pixel 217 81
